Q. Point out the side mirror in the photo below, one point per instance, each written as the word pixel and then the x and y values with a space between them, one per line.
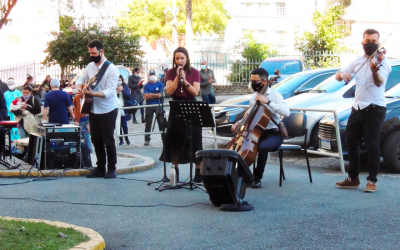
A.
pixel 301 91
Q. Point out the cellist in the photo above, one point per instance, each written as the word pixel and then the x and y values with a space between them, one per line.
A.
pixel 271 138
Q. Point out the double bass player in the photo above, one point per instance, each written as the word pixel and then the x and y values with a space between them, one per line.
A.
pixel 271 138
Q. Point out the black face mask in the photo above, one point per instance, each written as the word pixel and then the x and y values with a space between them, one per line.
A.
pixel 256 86
pixel 369 48
pixel 96 59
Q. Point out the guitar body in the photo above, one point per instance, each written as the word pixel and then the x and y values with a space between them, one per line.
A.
pixel 86 104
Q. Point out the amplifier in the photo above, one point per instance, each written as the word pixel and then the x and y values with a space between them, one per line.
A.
pixel 61 146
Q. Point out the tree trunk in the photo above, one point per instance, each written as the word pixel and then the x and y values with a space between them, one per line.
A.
pixel 189 27
pixel 6 11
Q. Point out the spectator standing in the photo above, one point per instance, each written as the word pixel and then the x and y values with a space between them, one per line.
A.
pixel 207 79
pixel 135 83
pixel 36 90
pixel 3 86
pixel 152 93
pixel 123 92
pixel 57 104
pixel 10 96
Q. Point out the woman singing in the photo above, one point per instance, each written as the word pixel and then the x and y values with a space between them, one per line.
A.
pixel 177 145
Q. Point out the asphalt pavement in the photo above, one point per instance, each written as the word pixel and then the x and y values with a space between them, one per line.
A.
pixel 298 215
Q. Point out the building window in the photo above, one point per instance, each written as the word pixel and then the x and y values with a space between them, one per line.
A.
pixel 281 35
pixel 281 9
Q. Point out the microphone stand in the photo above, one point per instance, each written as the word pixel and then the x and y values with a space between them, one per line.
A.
pixel 161 104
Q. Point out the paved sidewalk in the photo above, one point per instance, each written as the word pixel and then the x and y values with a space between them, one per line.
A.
pixel 298 215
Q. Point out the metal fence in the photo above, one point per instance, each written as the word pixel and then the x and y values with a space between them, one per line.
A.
pixel 227 72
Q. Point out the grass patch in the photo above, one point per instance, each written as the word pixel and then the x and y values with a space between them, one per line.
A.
pixel 30 235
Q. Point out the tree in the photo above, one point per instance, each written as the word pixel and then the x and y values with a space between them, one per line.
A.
pixel 69 48
pixel 326 36
pixel 65 22
pixel 153 20
pixel 5 8
pixel 253 54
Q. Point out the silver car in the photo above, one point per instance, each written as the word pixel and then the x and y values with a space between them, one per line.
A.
pixel 330 94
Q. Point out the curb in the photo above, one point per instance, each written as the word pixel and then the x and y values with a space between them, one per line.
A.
pixel 96 241
pixel 147 164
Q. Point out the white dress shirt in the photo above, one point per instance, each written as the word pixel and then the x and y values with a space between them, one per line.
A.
pixel 107 84
pixel 366 91
pixel 278 106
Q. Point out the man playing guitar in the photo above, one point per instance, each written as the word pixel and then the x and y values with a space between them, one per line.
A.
pixel 104 110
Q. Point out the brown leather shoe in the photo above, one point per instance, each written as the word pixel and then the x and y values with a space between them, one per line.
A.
pixel 349 183
pixel 371 187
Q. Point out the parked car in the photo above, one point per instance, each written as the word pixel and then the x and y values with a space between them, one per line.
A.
pixel 286 65
pixel 124 71
pixel 293 85
pixel 389 137
pixel 330 94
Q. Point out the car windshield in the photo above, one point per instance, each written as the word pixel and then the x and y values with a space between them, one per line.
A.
pixel 286 67
pixel 289 83
pixel 328 86
pixel 393 92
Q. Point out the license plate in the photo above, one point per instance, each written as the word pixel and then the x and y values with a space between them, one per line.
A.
pixel 326 144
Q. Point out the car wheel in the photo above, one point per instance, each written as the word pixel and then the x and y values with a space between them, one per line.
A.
pixel 391 152
pixel 314 139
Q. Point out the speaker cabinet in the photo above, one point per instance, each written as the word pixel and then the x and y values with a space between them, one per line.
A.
pixel 225 175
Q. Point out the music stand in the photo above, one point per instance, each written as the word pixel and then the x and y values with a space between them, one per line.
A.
pixel 38 157
pixel 190 113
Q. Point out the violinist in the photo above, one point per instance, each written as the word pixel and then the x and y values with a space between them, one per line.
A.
pixel 369 109
pixel 271 138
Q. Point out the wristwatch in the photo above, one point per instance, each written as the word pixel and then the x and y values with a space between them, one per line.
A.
pixel 268 102
pixel 187 85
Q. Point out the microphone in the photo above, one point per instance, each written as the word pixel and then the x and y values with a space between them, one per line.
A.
pixel 181 78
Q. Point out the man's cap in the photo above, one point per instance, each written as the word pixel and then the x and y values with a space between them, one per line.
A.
pixel 55 83
pixel 152 72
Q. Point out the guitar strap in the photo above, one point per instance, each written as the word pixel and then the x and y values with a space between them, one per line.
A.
pixel 100 74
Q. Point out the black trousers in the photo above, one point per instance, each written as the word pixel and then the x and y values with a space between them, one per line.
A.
pixel 366 122
pixel 102 128
pixel 270 141
pixel 150 111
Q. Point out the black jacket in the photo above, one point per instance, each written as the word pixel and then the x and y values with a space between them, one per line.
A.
pixel 3 107
pixel 3 86
pixel 136 93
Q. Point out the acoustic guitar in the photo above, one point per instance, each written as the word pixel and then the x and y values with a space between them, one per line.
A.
pixel 87 101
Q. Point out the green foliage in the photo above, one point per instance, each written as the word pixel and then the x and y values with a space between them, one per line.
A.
pixel 65 22
pixel 326 36
pixel 153 19
pixel 69 48
pixel 29 235
pixel 253 53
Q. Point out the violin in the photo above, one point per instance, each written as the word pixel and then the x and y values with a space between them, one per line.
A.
pixel 253 124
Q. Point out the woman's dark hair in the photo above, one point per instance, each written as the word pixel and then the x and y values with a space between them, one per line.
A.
pixel 27 87
pixel 45 80
pixel 29 78
pixel 123 82
pixel 187 66
pixel 96 43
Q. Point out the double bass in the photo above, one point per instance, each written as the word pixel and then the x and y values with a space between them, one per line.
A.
pixel 253 124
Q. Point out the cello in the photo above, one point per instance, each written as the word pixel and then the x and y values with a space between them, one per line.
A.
pixel 253 124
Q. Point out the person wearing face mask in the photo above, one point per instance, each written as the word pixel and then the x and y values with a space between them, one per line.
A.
pixel 206 84
pixel 152 93
pixel 124 94
pixel 104 110
pixel 10 96
pixel 36 90
pixel 271 138
pixel 135 83
pixel 368 111
pixel 25 113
